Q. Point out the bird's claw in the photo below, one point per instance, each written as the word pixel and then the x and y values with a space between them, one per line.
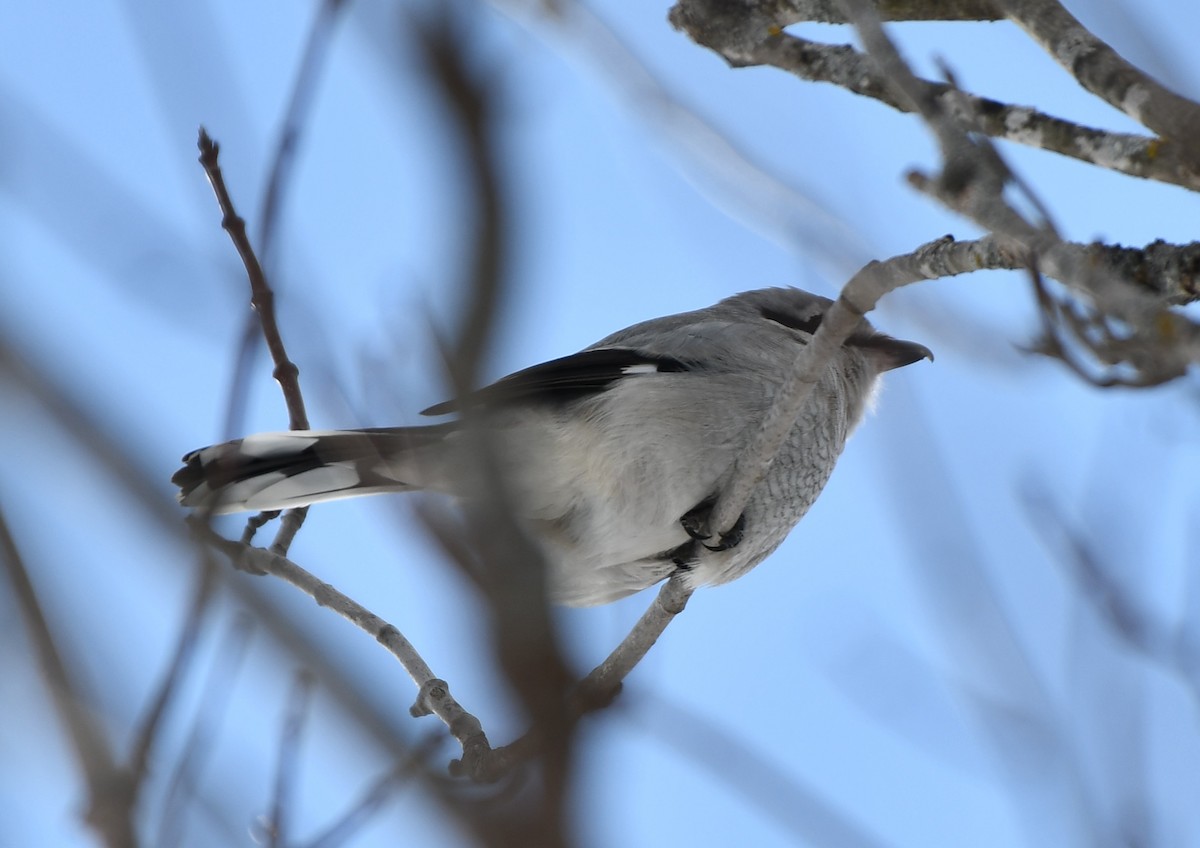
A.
pixel 696 519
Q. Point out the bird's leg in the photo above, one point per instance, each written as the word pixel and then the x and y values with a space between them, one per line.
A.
pixel 696 519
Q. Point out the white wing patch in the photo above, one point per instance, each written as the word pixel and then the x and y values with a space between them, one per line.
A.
pixel 262 445
pixel 326 479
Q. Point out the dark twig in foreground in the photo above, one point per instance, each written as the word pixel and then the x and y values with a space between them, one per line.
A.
pixel 303 88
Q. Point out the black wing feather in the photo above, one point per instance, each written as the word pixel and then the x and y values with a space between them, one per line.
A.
pixel 561 380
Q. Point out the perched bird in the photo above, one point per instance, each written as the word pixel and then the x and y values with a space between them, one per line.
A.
pixel 611 454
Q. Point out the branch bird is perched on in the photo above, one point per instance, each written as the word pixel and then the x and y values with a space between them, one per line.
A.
pixel 612 453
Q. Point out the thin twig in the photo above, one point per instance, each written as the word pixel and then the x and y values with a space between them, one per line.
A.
pixel 89 427
pixel 282 166
pixel 433 693
pixel 603 682
pixel 262 299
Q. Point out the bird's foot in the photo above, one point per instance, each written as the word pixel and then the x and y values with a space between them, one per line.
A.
pixel 696 519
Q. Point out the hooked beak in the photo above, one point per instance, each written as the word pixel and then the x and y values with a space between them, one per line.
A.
pixel 889 353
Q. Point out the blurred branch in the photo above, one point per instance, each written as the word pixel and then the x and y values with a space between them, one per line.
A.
pixel 89 428
pixel 303 91
pixel 110 808
pixel 763 785
pixel 216 691
pixel 1170 648
pixel 378 792
pixel 1131 359
pixel 733 178
pixel 185 649
pixel 508 568
pixel 299 703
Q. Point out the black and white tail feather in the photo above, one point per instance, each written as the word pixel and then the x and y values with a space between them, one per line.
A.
pixel 605 450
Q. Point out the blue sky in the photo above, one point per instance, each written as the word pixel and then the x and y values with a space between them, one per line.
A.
pixel 915 657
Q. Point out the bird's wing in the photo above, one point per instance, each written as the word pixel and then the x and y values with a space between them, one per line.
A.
pixel 568 378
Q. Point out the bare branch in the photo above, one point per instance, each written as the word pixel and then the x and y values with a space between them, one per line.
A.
pixel 604 681
pixel 433 693
pixel 972 183
pixel 1103 72
pixel 283 161
pixel 935 259
pixel 759 39
pixel 262 298
pixel 834 12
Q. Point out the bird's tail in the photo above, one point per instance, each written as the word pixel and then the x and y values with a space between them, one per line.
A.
pixel 282 470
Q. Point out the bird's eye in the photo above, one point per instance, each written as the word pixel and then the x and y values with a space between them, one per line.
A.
pixel 796 322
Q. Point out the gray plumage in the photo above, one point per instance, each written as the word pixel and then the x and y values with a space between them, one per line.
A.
pixel 606 450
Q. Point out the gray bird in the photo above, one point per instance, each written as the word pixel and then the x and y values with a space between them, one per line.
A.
pixel 612 454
